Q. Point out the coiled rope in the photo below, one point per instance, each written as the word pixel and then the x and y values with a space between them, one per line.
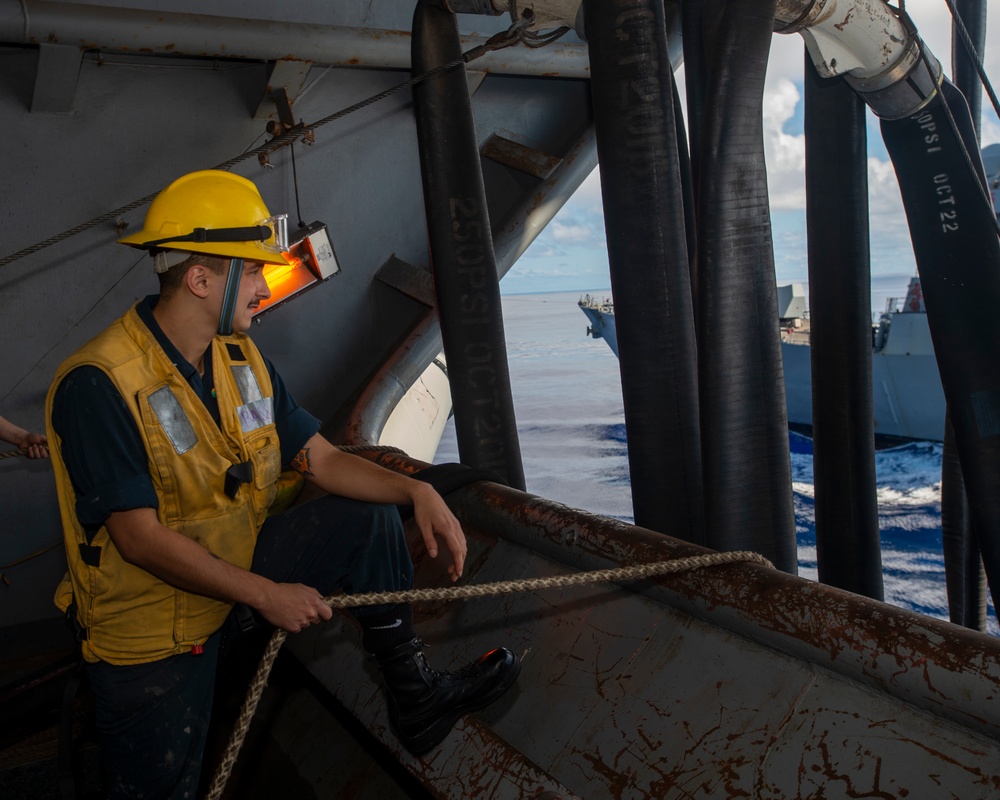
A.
pixel 630 573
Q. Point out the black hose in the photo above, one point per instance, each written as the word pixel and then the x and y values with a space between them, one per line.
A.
pixel 697 24
pixel 963 565
pixel 641 182
pixel 687 184
pixel 965 579
pixel 462 256
pixel 847 533
pixel 744 422
pixel 964 73
pixel 952 227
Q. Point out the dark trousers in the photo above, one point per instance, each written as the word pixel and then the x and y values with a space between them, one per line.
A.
pixel 153 717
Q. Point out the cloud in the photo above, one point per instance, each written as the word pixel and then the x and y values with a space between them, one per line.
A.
pixel 784 154
pixel 588 197
pixel 883 189
pixel 991 132
pixel 571 234
pixel 562 271
pixel 579 225
pixel 540 249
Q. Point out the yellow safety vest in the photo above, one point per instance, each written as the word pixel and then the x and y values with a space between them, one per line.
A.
pixel 214 484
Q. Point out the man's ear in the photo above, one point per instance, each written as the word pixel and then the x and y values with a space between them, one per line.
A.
pixel 198 280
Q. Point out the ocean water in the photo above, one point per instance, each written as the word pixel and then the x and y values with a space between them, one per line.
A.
pixel 571 424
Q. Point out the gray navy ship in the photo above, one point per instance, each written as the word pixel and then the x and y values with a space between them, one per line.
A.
pixel 908 399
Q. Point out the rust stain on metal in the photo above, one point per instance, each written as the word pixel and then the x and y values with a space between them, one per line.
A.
pixel 377 33
pixel 972 766
pixel 841 25
pixel 519 156
pixel 832 775
pixel 922 660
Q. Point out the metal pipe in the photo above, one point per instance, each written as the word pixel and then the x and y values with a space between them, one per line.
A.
pixel 847 532
pixel 462 257
pixel 383 393
pixel 526 220
pixel 166 33
pixel 474 7
pixel 857 37
pixel 875 48
pixel 407 364
pixel 650 272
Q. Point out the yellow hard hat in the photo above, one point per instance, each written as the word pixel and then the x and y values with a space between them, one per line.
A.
pixel 216 213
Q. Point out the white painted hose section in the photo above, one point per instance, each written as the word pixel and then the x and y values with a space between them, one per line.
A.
pixel 877 52
pixel 550 13
pixel 860 37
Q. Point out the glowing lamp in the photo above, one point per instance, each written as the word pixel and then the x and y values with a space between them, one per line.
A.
pixel 312 260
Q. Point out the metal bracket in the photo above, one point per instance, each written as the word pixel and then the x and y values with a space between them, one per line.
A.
pixel 519 156
pixel 56 78
pixel 284 84
pixel 414 282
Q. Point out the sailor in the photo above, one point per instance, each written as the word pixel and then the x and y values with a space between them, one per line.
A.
pixel 168 433
pixel 34 445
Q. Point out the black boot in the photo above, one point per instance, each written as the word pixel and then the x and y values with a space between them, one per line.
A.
pixel 424 704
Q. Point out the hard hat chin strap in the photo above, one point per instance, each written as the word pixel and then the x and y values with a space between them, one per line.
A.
pixel 229 298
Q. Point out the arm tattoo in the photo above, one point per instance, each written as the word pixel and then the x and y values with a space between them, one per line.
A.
pixel 301 462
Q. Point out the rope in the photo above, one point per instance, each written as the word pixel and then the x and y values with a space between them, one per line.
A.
pixel 12 453
pixel 370 448
pixel 3 567
pixel 453 593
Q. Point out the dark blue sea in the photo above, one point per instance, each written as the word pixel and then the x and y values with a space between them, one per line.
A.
pixel 571 425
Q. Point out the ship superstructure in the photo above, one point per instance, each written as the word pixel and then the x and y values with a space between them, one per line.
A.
pixel 908 399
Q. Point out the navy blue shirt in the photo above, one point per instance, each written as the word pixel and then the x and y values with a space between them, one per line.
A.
pixel 101 445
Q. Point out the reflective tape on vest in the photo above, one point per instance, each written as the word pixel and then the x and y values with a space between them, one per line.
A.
pixel 256 414
pixel 257 410
pixel 173 420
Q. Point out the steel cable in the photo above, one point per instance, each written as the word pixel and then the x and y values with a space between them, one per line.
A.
pixel 497 42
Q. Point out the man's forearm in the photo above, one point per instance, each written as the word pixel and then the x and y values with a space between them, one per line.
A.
pixel 174 558
pixel 352 476
pixel 11 433
pixel 359 479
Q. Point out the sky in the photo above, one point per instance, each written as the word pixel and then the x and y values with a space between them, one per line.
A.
pixel 571 253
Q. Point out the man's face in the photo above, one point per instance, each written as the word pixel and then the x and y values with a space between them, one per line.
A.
pixel 253 289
